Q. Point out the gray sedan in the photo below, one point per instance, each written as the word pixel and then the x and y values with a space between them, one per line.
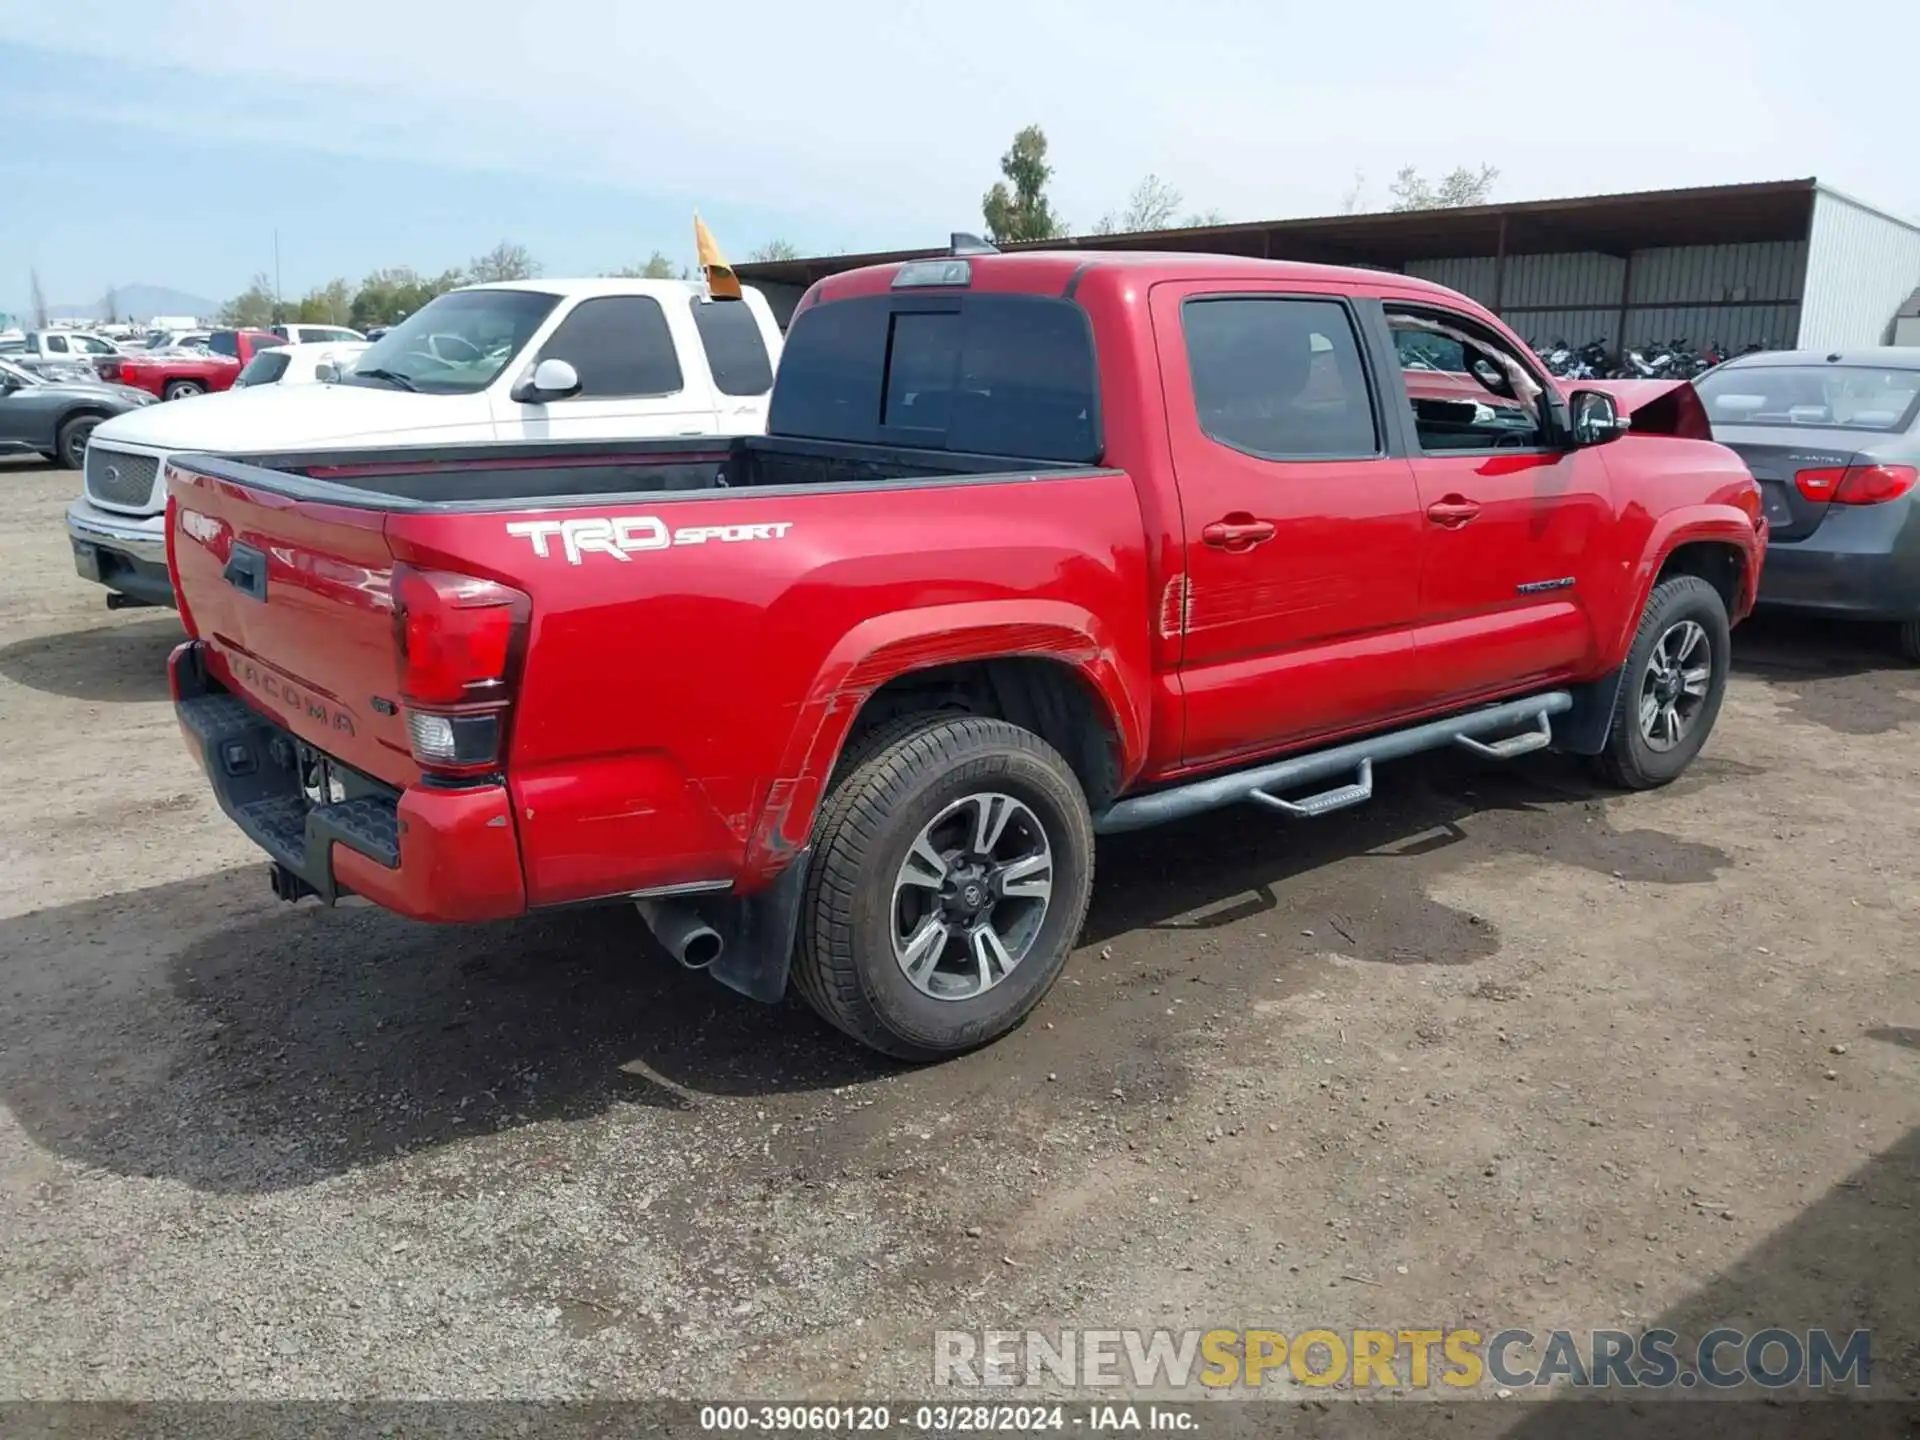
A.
pixel 1834 440
pixel 55 418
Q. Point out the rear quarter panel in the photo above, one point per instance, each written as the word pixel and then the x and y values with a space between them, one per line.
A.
pixel 681 709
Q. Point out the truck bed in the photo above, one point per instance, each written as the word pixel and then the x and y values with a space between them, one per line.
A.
pixel 494 476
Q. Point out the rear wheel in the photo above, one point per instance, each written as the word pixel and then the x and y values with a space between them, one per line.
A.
pixel 182 390
pixel 71 443
pixel 951 869
pixel 1675 678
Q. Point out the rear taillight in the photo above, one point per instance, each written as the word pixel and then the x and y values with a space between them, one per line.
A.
pixel 459 640
pixel 1818 485
pixel 1875 484
pixel 1856 484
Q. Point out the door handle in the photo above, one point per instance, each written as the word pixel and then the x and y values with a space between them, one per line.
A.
pixel 1453 511
pixel 1237 532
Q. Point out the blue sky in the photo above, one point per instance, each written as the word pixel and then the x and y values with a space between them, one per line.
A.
pixel 164 142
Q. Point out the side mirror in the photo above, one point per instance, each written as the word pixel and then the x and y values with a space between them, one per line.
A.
pixel 326 372
pixel 551 380
pixel 1596 418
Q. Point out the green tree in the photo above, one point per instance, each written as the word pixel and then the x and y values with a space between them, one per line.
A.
pixel 329 304
pixel 1017 207
pixel 658 267
pixel 775 249
pixel 506 261
pixel 1459 186
pixel 253 308
pixel 393 294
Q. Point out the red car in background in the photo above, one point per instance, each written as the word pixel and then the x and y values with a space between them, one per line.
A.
pixel 178 374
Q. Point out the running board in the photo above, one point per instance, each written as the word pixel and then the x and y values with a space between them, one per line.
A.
pixel 1356 758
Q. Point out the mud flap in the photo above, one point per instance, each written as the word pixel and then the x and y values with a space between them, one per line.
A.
pixel 1583 729
pixel 758 931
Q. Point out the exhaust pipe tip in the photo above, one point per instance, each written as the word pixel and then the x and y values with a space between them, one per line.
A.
pixel 683 934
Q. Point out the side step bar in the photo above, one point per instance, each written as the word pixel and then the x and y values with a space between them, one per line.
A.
pixel 1469 731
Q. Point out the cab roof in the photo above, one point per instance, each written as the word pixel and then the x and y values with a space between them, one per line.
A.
pixel 1041 271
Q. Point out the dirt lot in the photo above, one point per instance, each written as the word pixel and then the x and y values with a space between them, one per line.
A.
pixel 1498 1049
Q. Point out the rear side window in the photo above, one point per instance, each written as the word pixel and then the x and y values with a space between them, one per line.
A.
pixel 56 345
pixel 224 342
pixel 283 332
pixel 1006 375
pixel 620 345
pixel 1280 378
pixel 266 368
pixel 736 352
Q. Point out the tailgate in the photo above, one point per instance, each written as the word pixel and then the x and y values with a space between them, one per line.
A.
pixel 292 599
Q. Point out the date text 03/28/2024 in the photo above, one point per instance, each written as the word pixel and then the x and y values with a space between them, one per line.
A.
pixel 955 1419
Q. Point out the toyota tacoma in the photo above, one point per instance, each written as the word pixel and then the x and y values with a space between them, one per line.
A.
pixel 1039 547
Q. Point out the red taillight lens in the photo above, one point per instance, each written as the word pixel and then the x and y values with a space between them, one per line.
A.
pixel 1875 484
pixel 1856 484
pixel 457 636
pixel 459 640
pixel 1818 485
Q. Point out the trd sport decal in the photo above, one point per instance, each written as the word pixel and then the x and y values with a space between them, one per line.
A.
pixel 623 535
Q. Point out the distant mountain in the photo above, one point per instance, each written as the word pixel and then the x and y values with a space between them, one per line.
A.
pixel 142 302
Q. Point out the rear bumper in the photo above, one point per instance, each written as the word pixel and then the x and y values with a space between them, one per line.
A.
pixel 429 853
pixel 1863 562
pixel 122 552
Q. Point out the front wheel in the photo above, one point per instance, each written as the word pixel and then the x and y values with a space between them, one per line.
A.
pixel 1673 682
pixel 951 869
pixel 71 443
pixel 182 390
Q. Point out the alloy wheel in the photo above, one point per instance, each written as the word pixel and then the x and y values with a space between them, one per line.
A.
pixel 1674 689
pixel 971 896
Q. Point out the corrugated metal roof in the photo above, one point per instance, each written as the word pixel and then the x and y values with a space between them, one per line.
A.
pixel 1602 225
pixel 1909 310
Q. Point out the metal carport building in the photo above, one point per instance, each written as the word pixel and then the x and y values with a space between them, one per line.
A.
pixel 1781 264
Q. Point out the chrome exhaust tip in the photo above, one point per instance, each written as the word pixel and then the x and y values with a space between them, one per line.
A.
pixel 683 934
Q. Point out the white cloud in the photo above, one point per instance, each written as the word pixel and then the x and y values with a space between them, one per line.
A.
pixel 890 114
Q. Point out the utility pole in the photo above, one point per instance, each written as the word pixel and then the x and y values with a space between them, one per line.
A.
pixel 278 304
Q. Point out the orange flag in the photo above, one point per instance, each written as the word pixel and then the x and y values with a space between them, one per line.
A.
pixel 722 283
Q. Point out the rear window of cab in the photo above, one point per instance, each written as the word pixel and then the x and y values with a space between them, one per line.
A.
pixel 978 374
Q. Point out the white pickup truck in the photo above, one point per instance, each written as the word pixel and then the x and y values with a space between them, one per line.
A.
pixel 531 360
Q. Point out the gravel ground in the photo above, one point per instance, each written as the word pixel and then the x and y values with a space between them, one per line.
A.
pixel 1498 1049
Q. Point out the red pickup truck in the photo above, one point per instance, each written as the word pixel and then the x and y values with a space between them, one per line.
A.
pixel 182 374
pixel 1039 546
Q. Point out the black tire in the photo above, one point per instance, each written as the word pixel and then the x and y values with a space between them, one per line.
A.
pixel 1631 760
pixel 889 787
pixel 1908 638
pixel 182 390
pixel 70 445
